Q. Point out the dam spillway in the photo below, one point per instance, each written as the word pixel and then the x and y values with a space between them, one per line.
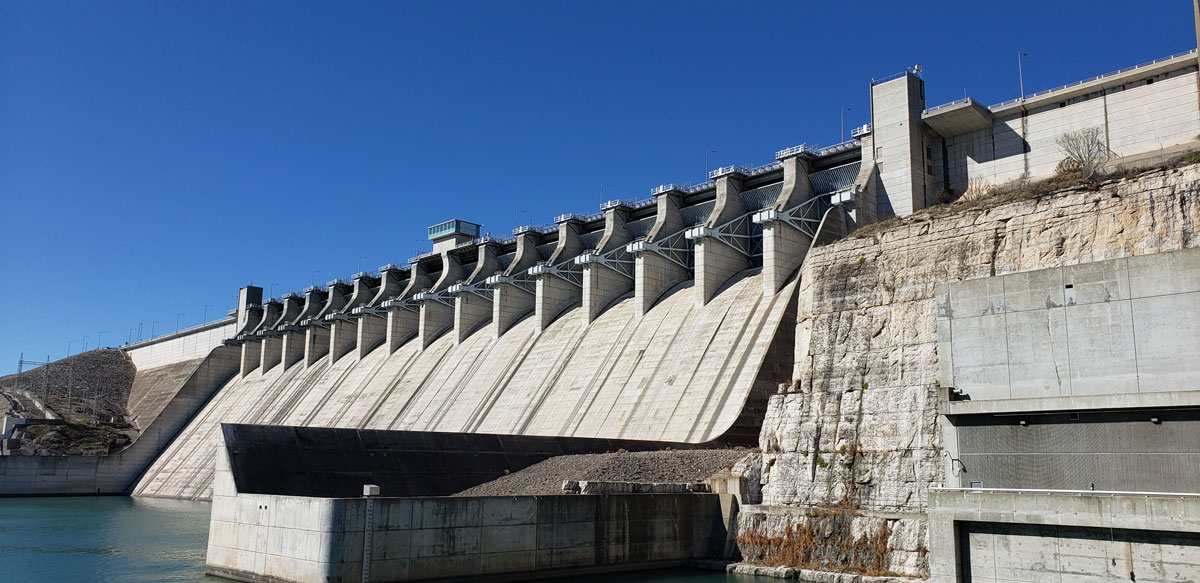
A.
pixel 683 372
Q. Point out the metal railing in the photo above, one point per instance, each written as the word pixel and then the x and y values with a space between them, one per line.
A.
pixel 542 229
pixel 850 144
pixel 412 260
pixel 795 151
pixel 946 105
pixel 732 169
pixel 707 184
pixel 765 168
pixel 892 77
pixel 1091 79
pixel 861 131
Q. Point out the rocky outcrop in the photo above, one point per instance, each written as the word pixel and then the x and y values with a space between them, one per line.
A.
pixel 851 449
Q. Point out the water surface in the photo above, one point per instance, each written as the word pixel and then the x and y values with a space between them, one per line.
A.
pixel 124 540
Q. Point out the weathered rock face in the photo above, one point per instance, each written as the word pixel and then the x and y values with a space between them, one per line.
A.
pixel 853 446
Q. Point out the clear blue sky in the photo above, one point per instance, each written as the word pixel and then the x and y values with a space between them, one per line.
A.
pixel 156 156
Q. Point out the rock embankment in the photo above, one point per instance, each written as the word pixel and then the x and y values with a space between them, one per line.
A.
pixel 88 391
pixel 670 466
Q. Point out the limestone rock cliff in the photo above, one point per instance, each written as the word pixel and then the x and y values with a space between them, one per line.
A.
pixel 851 449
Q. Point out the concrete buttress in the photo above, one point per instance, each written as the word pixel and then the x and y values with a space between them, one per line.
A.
pixel 473 307
pixel 437 312
pixel 784 246
pixel 511 302
pixel 602 284
pixel 554 294
pixel 655 273
pixel 716 260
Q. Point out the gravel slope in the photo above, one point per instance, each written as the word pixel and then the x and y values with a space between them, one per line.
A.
pixel 672 466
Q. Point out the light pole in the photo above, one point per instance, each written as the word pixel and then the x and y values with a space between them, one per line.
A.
pixel 1021 73
pixel 84 349
pixel 206 307
pixel 844 110
pixel 706 153
pixel 130 339
pixel 152 325
pixel 602 185
pixel 69 343
pixel 360 258
pixel 98 335
pixel 177 320
pixel 312 278
pixel 272 294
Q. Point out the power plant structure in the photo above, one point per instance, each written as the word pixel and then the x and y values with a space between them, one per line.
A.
pixel 1004 391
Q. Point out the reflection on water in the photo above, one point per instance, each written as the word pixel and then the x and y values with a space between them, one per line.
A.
pixel 123 540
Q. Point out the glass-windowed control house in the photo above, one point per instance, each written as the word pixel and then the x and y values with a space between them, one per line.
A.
pixel 452 233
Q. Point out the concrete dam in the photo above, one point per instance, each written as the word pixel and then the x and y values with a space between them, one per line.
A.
pixel 951 358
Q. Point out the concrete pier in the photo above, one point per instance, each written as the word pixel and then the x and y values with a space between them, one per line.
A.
pixel 607 269
pixel 559 285
pixel 343 326
pixel 316 344
pixel 402 325
pixel 437 308
pixel 784 246
pixel 716 259
pixel 657 271
pixel 513 294
pixel 472 299
pixel 272 352
pixel 251 356
pixel 247 317
pixel 372 332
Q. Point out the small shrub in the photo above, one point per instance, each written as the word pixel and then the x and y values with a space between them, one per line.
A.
pixel 821 463
pixel 864 385
pixel 862 260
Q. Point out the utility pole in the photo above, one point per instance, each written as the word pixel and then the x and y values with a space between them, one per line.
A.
pixel 1021 72
pixel 706 153
pixel 69 343
pixel 84 349
pixel 844 110
pixel 98 335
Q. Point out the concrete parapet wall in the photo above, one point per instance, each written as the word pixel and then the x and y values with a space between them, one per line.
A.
pixel 185 345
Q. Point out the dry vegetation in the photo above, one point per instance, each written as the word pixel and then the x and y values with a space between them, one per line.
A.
pixel 979 196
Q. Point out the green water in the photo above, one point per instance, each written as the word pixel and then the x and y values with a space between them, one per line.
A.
pixel 139 539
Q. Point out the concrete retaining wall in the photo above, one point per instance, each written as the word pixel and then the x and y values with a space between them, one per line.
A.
pixel 327 462
pixel 1026 535
pixel 1124 328
pixel 271 537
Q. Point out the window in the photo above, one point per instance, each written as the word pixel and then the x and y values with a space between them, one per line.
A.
pixel 976 484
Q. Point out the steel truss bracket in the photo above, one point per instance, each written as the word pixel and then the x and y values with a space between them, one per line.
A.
pixel 471 288
pixel 617 260
pixel 521 281
pixel 804 217
pixel 399 305
pixel 314 322
pixel 368 311
pixel 741 233
pixel 337 316
pixel 567 271
pixel 439 297
pixel 675 247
